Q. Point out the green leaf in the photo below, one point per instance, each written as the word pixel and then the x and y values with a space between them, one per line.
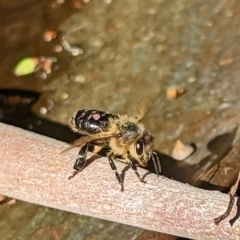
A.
pixel 25 66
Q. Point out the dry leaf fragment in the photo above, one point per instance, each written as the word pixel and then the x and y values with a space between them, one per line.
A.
pixel 181 151
pixel 225 61
pixel 175 92
pixel 49 35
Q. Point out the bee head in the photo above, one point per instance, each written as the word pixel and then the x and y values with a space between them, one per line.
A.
pixel 143 152
pixel 142 149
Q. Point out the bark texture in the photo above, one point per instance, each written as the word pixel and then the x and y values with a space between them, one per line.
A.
pixel 33 169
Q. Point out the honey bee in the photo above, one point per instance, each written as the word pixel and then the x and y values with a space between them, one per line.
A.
pixel 126 138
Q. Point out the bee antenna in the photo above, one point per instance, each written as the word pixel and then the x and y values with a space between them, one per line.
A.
pixel 156 163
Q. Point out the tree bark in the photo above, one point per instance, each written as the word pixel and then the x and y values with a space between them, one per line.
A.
pixel 33 169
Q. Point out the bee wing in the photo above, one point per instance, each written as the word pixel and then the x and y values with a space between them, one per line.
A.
pixel 85 139
pixel 141 110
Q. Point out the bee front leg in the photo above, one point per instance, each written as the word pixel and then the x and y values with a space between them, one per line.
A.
pixel 134 168
pixel 80 162
pixel 117 176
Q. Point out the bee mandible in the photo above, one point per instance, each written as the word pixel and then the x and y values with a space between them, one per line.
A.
pixel 126 138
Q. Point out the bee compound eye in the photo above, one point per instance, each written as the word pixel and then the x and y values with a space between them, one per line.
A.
pixel 139 147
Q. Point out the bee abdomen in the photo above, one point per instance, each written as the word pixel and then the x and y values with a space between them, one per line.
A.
pixel 90 121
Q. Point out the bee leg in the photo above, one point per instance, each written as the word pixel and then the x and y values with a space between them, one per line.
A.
pixel 97 148
pixel 80 162
pixel 134 168
pixel 114 169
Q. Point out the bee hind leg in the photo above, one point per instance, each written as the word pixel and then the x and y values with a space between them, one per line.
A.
pixel 80 162
pixel 114 169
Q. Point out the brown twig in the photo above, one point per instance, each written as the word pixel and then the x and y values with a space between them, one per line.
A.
pixel 32 169
pixel 232 194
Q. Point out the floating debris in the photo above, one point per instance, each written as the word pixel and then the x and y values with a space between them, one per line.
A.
pixel 182 151
pixel 79 79
pixel 49 35
pixel 64 95
pixel 225 61
pixel 175 92
pixel 191 79
pixel 45 63
pixel 48 106
pixel 43 110
pixel 57 48
pixel 73 50
pixel 43 75
pixel 209 23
